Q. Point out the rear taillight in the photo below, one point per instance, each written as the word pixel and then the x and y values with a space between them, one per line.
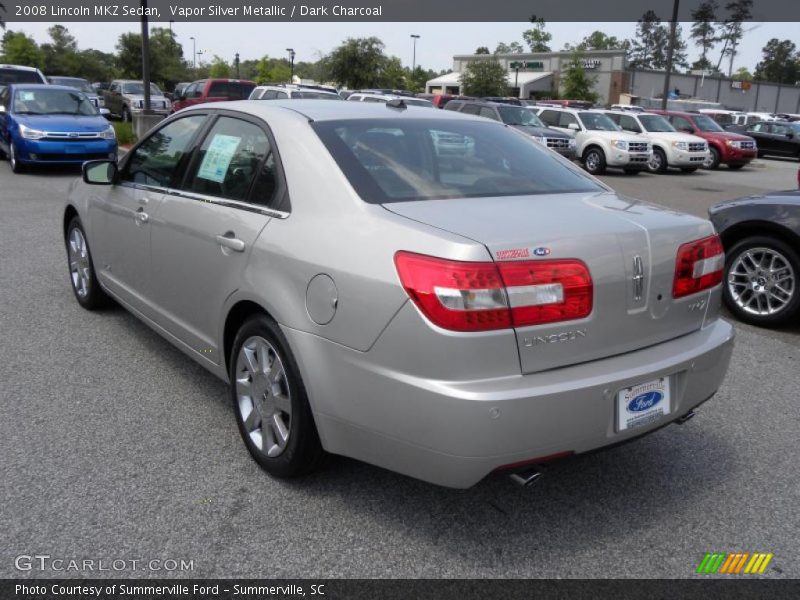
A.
pixel 481 296
pixel 698 266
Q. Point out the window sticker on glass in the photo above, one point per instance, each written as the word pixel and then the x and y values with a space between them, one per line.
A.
pixel 218 157
pixel 25 96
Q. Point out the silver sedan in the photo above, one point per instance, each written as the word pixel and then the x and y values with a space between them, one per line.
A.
pixel 426 291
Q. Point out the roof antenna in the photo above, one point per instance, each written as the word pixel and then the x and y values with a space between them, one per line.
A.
pixel 396 103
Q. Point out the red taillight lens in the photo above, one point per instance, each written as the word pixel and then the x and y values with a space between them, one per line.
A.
pixel 546 291
pixel 698 266
pixel 481 296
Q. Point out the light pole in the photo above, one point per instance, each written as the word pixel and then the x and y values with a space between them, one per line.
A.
pixel 415 37
pixel 236 62
pixel 194 53
pixel 291 56
pixel 670 51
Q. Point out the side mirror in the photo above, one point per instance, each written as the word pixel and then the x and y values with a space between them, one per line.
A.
pixel 2 108
pixel 790 135
pixel 574 127
pixel 100 172
pixel 105 112
pixel 687 129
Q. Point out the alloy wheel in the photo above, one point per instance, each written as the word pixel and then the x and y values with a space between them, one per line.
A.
pixel 592 162
pixel 761 281
pixel 79 265
pixel 263 396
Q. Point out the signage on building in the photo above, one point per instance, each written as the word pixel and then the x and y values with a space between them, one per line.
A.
pixel 533 65
pixel 741 85
pixel 591 63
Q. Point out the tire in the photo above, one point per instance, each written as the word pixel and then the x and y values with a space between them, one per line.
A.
pixel 749 287
pixel 632 171
pixel 290 446
pixel 735 167
pixel 689 169
pixel 83 278
pixel 713 162
pixel 594 161
pixel 658 164
pixel 16 165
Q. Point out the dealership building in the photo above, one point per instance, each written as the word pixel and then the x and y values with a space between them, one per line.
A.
pixel 539 74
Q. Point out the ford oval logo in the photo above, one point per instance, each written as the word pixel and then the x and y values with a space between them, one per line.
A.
pixel 541 251
pixel 644 401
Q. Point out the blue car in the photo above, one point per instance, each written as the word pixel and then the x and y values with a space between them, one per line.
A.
pixel 52 124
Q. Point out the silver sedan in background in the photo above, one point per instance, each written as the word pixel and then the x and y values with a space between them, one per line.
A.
pixel 444 312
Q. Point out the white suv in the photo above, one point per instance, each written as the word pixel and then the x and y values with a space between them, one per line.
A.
pixel 377 97
pixel 599 142
pixel 671 148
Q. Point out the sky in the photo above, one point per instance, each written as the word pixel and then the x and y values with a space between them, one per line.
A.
pixel 435 48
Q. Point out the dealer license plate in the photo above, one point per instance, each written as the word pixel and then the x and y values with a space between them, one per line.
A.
pixel 642 404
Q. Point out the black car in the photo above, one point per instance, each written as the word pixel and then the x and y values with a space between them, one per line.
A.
pixel 776 138
pixel 519 117
pixel 761 236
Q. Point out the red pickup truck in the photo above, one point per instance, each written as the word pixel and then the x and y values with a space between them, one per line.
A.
pixel 213 90
pixel 732 149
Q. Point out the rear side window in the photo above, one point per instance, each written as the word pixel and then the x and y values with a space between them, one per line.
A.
pixel 425 159
pixel 470 109
pixel 229 159
pixel 549 118
pixel 157 160
pixel 281 95
pixel 19 76
pixel 489 113
pixel 680 123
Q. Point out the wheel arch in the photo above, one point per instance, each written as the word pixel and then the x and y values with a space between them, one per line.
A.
pixel 740 231
pixel 237 315
pixel 70 212
pixel 592 146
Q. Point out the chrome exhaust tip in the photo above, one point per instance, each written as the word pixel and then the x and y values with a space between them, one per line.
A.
pixel 686 417
pixel 527 477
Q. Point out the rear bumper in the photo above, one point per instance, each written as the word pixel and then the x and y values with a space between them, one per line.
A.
pixel 454 433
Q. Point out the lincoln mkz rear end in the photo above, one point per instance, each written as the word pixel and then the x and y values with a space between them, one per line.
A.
pixel 510 308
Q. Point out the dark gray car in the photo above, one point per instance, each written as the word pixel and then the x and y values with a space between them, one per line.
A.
pixel 519 117
pixel 761 236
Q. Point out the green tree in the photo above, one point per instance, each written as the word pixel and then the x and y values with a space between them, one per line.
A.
pixel 273 70
pixel 482 50
pixel 512 48
pixel 484 77
pixel 649 41
pixel 780 62
pixel 743 74
pixel 219 69
pixel 537 38
pixel 393 75
pixel 95 65
pixel 19 49
pixel 358 62
pixel 597 40
pixel 416 80
pixel 732 31
pixel 704 31
pixel 576 83
pixel 61 54
pixel 167 66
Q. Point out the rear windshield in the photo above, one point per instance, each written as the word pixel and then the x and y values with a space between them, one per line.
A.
pixel 19 76
pixel 315 96
pixel 517 115
pixel 705 123
pixel 655 123
pixel 391 160
pixel 78 84
pixel 597 122
pixel 231 89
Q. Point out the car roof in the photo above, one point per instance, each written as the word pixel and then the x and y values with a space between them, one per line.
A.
pixel 42 86
pixel 19 67
pixel 66 77
pixel 321 110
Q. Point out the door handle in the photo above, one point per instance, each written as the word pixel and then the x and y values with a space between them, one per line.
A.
pixel 229 241
pixel 141 216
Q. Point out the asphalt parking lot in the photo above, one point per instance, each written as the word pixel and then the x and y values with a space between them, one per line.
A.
pixel 115 445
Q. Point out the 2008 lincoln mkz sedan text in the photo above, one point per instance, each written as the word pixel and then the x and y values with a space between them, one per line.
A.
pixel 426 291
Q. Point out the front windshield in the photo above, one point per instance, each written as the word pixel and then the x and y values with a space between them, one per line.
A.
pixel 52 102
pixel 78 84
pixel 137 89
pixel 794 126
pixel 655 123
pixel 597 122
pixel 517 115
pixel 396 160
pixel 705 123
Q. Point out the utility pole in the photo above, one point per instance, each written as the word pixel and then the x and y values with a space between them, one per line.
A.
pixel 291 56
pixel 670 50
pixel 236 63
pixel 415 37
pixel 194 53
pixel 145 58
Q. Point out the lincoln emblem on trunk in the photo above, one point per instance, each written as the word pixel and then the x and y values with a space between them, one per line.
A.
pixel 638 278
